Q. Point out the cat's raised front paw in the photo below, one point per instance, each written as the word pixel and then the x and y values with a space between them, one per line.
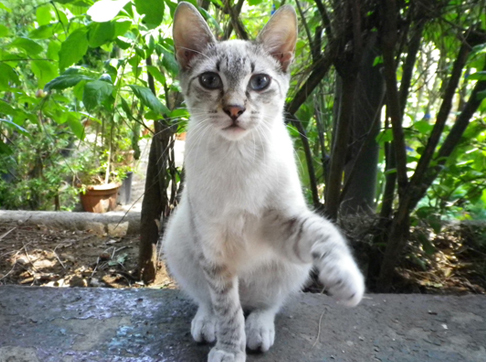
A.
pixel 260 331
pixel 218 355
pixel 341 277
pixel 203 327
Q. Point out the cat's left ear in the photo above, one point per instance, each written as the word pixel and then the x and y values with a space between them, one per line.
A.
pixel 279 36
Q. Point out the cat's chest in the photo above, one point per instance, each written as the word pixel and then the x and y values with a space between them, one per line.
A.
pixel 224 184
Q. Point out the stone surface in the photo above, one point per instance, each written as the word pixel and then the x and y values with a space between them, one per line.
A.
pixel 116 222
pixel 148 325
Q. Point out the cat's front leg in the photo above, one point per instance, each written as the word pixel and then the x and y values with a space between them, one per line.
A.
pixel 311 238
pixel 230 322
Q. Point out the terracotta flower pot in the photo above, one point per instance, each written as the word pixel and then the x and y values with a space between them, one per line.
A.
pixel 100 198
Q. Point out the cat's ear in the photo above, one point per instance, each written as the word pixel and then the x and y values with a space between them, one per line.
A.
pixel 191 33
pixel 279 36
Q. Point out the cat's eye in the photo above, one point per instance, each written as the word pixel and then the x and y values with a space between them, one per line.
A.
pixel 259 82
pixel 210 80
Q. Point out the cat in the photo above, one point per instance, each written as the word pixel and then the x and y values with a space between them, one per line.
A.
pixel 242 237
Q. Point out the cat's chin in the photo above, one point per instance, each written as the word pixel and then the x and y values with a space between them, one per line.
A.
pixel 234 133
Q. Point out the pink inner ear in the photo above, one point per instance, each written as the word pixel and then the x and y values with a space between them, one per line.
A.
pixel 284 58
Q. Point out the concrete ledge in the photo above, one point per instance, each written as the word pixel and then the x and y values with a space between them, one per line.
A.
pixel 130 222
pixel 52 325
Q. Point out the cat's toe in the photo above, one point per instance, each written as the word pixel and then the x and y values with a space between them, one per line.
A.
pixel 260 332
pixel 203 327
pixel 218 355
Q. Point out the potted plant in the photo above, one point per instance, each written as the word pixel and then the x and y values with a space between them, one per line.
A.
pixel 97 183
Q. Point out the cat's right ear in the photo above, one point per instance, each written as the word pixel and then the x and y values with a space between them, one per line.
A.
pixel 190 32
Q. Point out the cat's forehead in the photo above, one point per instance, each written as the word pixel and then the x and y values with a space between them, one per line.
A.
pixel 235 57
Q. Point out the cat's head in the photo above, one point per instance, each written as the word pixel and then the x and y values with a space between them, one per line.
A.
pixel 234 86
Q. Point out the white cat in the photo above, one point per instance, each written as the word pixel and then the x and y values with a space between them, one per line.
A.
pixel 242 237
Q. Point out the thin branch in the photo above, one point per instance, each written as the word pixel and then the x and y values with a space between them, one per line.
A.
pixel 325 19
pixel 308 157
pixel 442 116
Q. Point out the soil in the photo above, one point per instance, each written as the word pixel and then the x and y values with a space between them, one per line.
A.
pixel 37 255
pixel 453 262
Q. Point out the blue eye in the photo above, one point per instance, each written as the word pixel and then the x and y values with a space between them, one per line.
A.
pixel 259 82
pixel 210 80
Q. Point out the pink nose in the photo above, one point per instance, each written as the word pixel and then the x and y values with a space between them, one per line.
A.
pixel 234 111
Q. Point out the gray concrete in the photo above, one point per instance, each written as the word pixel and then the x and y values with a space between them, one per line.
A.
pixel 52 325
pixel 116 221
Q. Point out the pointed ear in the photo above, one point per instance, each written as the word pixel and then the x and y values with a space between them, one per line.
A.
pixel 280 35
pixel 190 32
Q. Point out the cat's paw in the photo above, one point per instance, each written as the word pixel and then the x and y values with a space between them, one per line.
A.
pixel 203 327
pixel 340 275
pixel 260 331
pixel 218 355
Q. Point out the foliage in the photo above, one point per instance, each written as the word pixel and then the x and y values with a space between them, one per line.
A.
pixel 94 74
pixel 79 67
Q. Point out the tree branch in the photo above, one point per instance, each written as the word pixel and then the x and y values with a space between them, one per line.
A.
pixel 319 71
pixel 389 36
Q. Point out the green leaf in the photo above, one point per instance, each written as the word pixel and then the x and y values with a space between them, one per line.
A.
pixel 149 99
pixel 122 26
pixel 156 73
pixel 106 10
pixel 423 126
pixel 96 93
pixel 3 31
pixel 42 32
pixel 478 75
pixel 75 124
pixel 43 15
pixel 385 136
pixel 26 44
pixel 481 95
pixel 44 71
pixel 2 6
pixel 126 107
pixel 4 149
pixel 14 125
pixel 153 11
pixel 73 48
pixel 66 80
pixel 53 49
pixel 7 76
pixel 101 33
pixel 170 63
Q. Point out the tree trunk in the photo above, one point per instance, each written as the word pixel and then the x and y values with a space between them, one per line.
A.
pixel 360 172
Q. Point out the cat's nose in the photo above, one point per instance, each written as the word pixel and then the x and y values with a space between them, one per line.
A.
pixel 234 111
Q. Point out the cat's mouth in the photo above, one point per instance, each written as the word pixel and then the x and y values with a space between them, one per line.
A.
pixel 234 128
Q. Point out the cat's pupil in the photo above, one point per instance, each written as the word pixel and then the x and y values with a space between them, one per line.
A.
pixel 259 82
pixel 210 80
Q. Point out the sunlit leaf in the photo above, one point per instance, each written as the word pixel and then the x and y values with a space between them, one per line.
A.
pixel 44 70
pixel 149 99
pixel 153 11
pixel 73 48
pixel 26 44
pixel 106 10
pixel 43 15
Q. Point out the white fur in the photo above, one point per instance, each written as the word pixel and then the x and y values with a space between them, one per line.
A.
pixel 243 209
